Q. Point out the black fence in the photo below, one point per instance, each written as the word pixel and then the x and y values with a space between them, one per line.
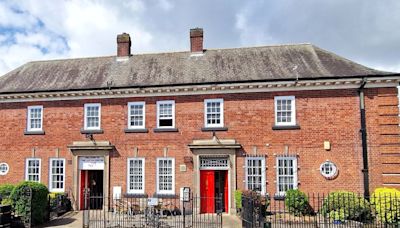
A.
pixel 142 211
pixel 320 210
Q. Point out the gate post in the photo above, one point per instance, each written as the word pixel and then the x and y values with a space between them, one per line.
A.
pixel 85 209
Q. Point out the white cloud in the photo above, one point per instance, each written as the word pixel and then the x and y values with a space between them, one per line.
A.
pixel 46 29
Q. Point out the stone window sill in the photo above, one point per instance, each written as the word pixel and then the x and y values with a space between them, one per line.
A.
pixel 26 132
pixel 214 129
pixel 143 130
pixel 165 196
pixel 135 195
pixel 165 130
pixel 288 127
pixel 85 131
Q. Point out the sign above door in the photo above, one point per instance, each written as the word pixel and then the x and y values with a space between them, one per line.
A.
pixel 91 163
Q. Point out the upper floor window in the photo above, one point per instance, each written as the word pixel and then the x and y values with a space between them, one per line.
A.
pixel 136 175
pixel 57 175
pixel 255 174
pixel 165 114
pixel 32 169
pixel 35 118
pixel 213 112
pixel 136 115
pixel 286 173
pixel 165 175
pixel 92 116
pixel 285 111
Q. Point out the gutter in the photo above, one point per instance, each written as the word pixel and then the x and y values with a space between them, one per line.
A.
pixel 363 131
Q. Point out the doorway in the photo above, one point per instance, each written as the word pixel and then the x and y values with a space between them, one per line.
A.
pixel 92 180
pixel 213 191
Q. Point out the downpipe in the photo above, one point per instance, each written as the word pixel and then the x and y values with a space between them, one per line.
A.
pixel 363 131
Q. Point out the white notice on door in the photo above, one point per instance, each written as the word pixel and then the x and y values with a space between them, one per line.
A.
pixel 91 163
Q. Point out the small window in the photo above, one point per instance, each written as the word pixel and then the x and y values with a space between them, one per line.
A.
pixel 32 169
pixel 35 118
pixel 4 168
pixel 214 113
pixel 255 174
pixel 285 111
pixel 136 175
pixel 165 176
pixel 328 169
pixel 57 175
pixel 92 116
pixel 165 114
pixel 286 173
pixel 136 115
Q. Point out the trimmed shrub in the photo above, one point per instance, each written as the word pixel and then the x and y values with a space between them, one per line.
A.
pixel 238 199
pixel 59 202
pixel 38 203
pixel 5 190
pixel 298 203
pixel 343 205
pixel 387 204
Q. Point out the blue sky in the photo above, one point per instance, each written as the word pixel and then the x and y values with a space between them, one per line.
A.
pixel 366 31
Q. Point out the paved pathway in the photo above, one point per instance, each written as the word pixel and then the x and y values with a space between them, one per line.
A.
pixel 74 219
pixel 68 220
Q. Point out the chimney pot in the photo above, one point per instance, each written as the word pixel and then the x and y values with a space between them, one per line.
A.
pixel 196 40
pixel 123 45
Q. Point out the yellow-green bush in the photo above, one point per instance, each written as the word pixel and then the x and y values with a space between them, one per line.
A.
pixel 387 204
pixel 343 205
pixel 238 199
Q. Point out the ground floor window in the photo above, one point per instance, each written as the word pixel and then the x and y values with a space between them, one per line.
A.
pixel 4 168
pixel 255 174
pixel 286 173
pixel 57 175
pixel 136 175
pixel 32 169
pixel 165 176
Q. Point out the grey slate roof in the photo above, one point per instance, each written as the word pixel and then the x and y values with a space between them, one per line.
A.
pixel 268 63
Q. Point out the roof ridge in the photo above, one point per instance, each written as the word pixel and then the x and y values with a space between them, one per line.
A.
pixel 171 52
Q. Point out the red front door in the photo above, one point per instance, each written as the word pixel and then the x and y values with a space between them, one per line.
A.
pixel 207 191
pixel 226 193
pixel 84 184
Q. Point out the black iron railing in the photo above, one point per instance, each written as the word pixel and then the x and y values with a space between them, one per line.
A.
pixel 143 211
pixel 341 209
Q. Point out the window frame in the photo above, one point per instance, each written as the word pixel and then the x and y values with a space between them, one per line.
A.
pixel 8 168
pixel 27 166
pixel 51 189
pixel 263 173
pixel 129 114
pixel 398 99
pixel 29 120
pixel 165 192
pixel 85 116
pixel 173 113
pixel 133 191
pixel 293 110
pixel 295 173
pixel 221 101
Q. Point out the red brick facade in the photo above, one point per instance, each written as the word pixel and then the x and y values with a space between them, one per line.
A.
pixel 323 115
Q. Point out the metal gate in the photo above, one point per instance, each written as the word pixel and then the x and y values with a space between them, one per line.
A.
pixel 253 211
pixel 142 211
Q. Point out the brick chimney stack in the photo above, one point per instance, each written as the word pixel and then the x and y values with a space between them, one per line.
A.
pixel 196 40
pixel 123 45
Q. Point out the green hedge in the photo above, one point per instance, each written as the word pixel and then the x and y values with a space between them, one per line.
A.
pixel 5 190
pixel 298 203
pixel 38 203
pixel 238 199
pixel 343 205
pixel 387 204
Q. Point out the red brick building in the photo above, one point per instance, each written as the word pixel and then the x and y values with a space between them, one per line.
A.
pixel 266 118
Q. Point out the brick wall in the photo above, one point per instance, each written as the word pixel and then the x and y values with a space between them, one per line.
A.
pixel 331 115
